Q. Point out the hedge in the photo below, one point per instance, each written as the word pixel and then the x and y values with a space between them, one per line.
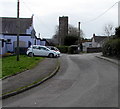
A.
pixel 112 48
pixel 63 49
pixel 73 49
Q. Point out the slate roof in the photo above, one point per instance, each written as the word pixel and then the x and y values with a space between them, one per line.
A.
pixel 99 38
pixel 9 25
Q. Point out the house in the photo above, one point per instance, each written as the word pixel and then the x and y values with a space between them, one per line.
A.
pixel 86 44
pixel 8 35
pixel 39 41
pixel 97 41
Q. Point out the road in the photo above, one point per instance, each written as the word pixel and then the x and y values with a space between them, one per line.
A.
pixel 82 81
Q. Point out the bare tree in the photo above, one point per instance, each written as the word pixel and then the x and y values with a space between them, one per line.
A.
pixel 73 31
pixel 55 37
pixel 109 30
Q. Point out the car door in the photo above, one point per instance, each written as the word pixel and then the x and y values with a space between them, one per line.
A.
pixel 36 50
pixel 44 51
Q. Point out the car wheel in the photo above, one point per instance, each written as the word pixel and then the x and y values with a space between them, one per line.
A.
pixel 31 54
pixel 51 55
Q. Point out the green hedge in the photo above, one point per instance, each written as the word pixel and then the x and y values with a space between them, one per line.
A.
pixel 63 49
pixel 112 48
pixel 73 49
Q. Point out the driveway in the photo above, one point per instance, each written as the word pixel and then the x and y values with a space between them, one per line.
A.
pixel 82 81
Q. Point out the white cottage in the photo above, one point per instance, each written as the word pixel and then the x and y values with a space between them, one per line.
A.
pixel 97 41
pixel 8 35
pixel 86 44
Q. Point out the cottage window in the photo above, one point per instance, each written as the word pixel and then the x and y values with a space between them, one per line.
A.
pixel 90 45
pixel 8 41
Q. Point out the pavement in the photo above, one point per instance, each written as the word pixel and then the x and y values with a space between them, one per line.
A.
pixel 28 79
pixel 113 60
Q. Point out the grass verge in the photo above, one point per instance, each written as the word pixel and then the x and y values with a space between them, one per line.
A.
pixel 31 85
pixel 11 67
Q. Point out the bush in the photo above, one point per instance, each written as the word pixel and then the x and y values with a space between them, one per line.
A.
pixel 70 40
pixel 112 48
pixel 73 49
pixel 117 32
pixel 63 49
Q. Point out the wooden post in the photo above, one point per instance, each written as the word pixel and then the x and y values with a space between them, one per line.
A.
pixel 78 36
pixel 18 28
pixel 78 32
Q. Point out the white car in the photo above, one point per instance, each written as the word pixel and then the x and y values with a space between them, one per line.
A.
pixel 38 50
pixel 54 49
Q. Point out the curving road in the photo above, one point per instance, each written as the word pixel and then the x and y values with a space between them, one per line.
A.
pixel 82 81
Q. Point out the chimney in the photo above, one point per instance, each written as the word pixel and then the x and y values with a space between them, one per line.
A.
pixel 94 35
pixel 32 19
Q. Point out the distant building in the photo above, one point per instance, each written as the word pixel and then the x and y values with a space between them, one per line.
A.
pixel 86 44
pixel 97 41
pixel 63 29
pixel 95 44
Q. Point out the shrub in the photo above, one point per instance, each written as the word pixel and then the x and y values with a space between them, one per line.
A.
pixel 63 49
pixel 117 32
pixel 112 48
pixel 70 40
pixel 73 49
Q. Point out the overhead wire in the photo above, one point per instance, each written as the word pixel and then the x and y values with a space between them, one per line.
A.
pixel 86 22
pixel 94 19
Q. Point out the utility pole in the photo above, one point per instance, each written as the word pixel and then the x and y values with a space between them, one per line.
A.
pixel 78 32
pixel 78 36
pixel 18 29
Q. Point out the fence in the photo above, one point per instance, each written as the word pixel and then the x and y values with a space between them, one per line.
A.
pixel 22 50
pixel 94 50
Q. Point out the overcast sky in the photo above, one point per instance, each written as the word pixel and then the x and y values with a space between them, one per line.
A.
pixel 47 12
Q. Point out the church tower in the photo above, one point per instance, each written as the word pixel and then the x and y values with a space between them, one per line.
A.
pixel 63 29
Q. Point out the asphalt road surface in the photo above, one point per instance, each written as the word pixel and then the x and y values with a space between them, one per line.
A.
pixel 82 81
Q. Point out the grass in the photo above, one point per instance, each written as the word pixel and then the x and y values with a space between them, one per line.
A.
pixel 35 83
pixel 10 66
